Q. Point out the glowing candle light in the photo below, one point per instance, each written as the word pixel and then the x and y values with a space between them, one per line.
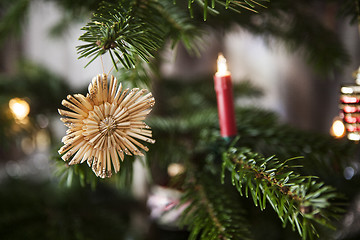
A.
pixel 19 108
pixel 225 101
pixel 338 129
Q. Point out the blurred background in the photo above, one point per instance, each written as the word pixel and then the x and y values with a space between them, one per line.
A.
pixel 298 80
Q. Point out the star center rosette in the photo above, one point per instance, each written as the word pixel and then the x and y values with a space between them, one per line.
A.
pixel 105 124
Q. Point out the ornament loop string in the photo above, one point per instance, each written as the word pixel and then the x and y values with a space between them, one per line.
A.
pixel 102 64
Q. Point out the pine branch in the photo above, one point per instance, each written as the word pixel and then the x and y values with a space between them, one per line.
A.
pixel 261 131
pixel 139 76
pixel 13 17
pixel 234 5
pixel 133 30
pixel 351 9
pixel 178 136
pixel 297 199
pixel 124 30
pixel 56 213
pixel 213 211
pixel 300 30
pixel 303 32
pixel 179 28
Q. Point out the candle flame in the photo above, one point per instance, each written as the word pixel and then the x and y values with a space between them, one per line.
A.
pixel 221 65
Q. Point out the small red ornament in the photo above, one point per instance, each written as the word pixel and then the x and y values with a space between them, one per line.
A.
pixel 350 107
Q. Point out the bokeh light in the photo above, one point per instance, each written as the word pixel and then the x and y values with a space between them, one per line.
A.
pixel 338 129
pixel 19 108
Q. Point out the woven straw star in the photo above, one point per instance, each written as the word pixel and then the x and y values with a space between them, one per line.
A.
pixel 105 124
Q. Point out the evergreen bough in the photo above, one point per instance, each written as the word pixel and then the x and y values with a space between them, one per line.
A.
pixel 297 199
pixel 134 32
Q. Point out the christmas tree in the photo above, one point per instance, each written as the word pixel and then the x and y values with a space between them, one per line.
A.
pixel 212 172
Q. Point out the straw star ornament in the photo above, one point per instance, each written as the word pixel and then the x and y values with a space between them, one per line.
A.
pixel 105 124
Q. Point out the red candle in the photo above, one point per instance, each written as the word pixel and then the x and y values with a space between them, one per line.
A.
pixel 225 101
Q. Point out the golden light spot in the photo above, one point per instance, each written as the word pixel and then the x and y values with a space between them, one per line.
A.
pixel 19 108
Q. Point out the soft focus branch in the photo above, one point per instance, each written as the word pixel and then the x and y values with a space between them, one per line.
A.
pixel 214 211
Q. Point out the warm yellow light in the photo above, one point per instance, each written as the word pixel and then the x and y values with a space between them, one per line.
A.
pixel 337 129
pixel 175 169
pixel 222 66
pixel 19 108
pixel 354 136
